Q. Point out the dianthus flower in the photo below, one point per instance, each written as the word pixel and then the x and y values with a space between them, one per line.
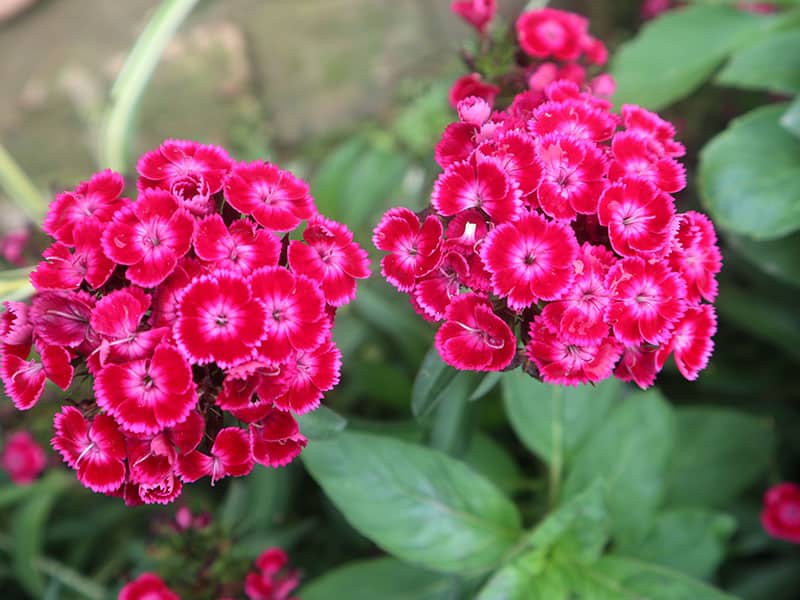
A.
pixel 22 458
pixel 148 586
pixel 552 241
pixel 199 325
pixel 781 514
pixel 477 13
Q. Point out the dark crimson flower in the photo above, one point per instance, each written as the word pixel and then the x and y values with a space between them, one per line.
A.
pixel 414 251
pixel 579 317
pixel 164 491
pixel 691 341
pixel 242 248
pixel 295 312
pixel 562 362
pixel 66 269
pixel 230 456
pixel 647 300
pixel 516 153
pixel 434 292
pixel 239 392
pixel 696 256
pixel 97 198
pixel 465 231
pixel 456 144
pixel 147 395
pixel 549 32
pixel 634 157
pixel 22 458
pixel 479 182
pixel 276 439
pixel 573 119
pixel 62 318
pixel 16 330
pixel 148 586
pixel 149 236
pixel 473 337
pixel 95 450
pixel 192 172
pixel 166 295
pixel 639 217
pixel 272 580
pixel 218 320
pixel 472 85
pixel 330 257
pixel 573 176
pixel 781 515
pixel 530 259
pixel 477 13
pixel 305 377
pixel 275 198
pixel 638 364
pixel 24 380
pixel 660 133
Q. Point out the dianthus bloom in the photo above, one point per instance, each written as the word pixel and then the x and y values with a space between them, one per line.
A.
pixel 22 458
pixel 781 514
pixel 552 239
pixel 148 586
pixel 202 329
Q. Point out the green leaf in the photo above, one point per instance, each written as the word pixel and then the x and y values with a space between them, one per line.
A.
pixel 416 503
pixel 487 384
pixel 20 189
pixel 553 421
pixel 419 124
pixel 12 493
pixel 321 423
pixel 719 452
pixel 491 460
pixel 774 257
pixel 432 380
pixel 618 578
pixel 771 64
pixel 383 578
pixel 133 78
pixel 690 540
pixel 256 503
pixel 629 450
pixel 674 54
pixel 790 120
pixel 750 176
pixel 527 579
pixel 455 418
pixel 28 528
pixel 332 175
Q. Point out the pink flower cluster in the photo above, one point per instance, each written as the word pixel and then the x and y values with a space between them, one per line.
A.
pixel 270 580
pixel 554 223
pixel 188 304
pixel 552 45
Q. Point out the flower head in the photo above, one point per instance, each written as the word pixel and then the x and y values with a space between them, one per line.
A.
pixel 22 458
pixel 781 514
pixel 148 586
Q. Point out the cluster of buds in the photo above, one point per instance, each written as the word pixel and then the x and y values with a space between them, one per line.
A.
pixel 550 45
pixel 270 579
pixel 197 320
pixel 552 227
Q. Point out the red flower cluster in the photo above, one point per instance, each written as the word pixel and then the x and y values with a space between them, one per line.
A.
pixel 22 458
pixel 190 301
pixel 556 221
pixel 552 45
pixel 781 514
pixel 270 580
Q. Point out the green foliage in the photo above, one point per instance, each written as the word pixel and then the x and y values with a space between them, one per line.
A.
pixel 771 64
pixel 791 118
pixel 416 503
pixel 321 423
pixel 431 383
pixel 774 257
pixel 674 54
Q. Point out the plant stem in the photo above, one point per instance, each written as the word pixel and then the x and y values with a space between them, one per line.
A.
pixel 133 78
pixel 20 189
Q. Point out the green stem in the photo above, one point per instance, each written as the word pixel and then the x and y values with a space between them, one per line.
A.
pixel 134 76
pixel 19 188
pixel 557 462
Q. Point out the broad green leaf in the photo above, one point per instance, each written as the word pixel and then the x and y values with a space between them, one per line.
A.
pixel 791 118
pixel 750 176
pixel 331 177
pixel 491 460
pixel 778 579
pixel 28 529
pixel 133 78
pixel 525 579
pixel 455 418
pixel 433 378
pixel 321 423
pixel 774 257
pixel 719 452
pixel 416 503
pixel 381 578
pixel 674 54
pixel 690 540
pixel 487 384
pixel 629 450
pixel 257 502
pixel 771 64
pixel 618 578
pixel 551 420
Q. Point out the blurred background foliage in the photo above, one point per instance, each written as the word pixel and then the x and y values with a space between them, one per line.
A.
pixel 351 95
